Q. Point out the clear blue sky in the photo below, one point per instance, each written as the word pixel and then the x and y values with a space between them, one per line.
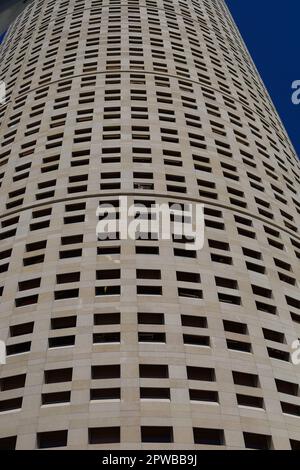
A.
pixel 271 31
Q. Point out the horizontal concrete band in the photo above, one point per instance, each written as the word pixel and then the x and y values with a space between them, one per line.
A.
pixel 145 72
pixel 116 194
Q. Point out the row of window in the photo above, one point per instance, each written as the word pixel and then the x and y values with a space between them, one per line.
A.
pixel 149 434
pixel 143 132
pixel 150 371
pixel 163 392
pixel 214 218
pixel 154 18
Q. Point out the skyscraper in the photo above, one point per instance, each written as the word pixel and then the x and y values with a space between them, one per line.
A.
pixel 142 343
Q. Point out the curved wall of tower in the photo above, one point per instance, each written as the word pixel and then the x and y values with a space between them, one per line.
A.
pixel 140 344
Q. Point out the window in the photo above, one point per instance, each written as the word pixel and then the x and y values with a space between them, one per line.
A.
pixel 107 435
pixel 201 373
pixel 107 318
pixel 154 371
pixel 157 434
pixel 295 445
pixel 8 443
pixel 105 394
pixel 205 436
pixel 107 290
pixel 151 393
pixel 279 354
pixel 290 409
pixel 187 277
pixel 50 439
pixel 204 395
pixel 275 336
pixel 11 404
pixel 243 378
pixel 250 401
pixel 66 294
pixel 150 318
pixel 63 322
pixel 194 321
pixel 145 337
pixel 112 371
pixel 21 329
pixel 12 382
pixel 58 375
pixel 229 299
pixel 28 300
pixel 235 327
pixel 56 398
pixel 99 338
pixel 238 345
pixel 289 388
pixel 61 341
pixel 257 441
pixel 18 348
pixel 148 274
pixel 196 340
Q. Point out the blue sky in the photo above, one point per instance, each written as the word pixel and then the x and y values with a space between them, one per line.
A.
pixel 271 31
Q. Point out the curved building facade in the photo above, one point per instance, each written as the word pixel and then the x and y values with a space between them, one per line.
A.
pixel 141 344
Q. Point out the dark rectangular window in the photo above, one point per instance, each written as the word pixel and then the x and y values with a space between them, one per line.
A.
pixel 18 348
pixel 188 277
pixel 12 382
pixel 257 441
pixel 248 380
pixel 238 345
pixel 157 434
pixel 21 329
pixel 235 327
pixel 145 337
pixel 295 445
pixel 63 322
pixel 108 435
pixel 278 354
pixel 11 404
pixel 212 437
pixel 190 293
pixel 99 338
pixel 55 398
pixel 105 394
pixel 61 341
pixel 107 290
pixel 204 395
pixel 150 318
pixel 152 393
pixel 58 375
pixel 248 400
pixel 149 290
pixel 8 443
pixel 194 321
pixel 107 318
pixel 154 371
pixel 111 371
pixel 289 388
pixel 196 340
pixel 290 408
pixel 46 440
pixel 201 373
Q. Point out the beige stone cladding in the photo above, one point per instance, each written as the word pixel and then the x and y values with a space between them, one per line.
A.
pixel 143 344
